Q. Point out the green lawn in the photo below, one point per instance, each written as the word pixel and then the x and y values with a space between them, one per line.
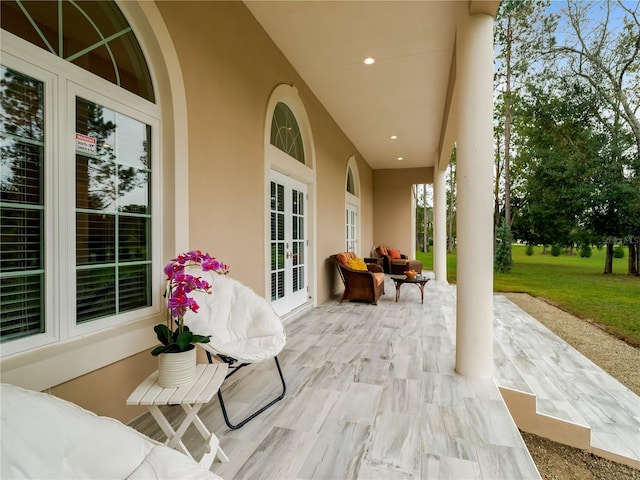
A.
pixel 572 283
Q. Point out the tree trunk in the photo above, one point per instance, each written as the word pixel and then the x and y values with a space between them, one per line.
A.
pixel 425 233
pixel 608 262
pixel 452 193
pixel 633 258
pixel 507 130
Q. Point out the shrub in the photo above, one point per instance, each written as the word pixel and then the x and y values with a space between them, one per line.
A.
pixel 529 250
pixel 556 250
pixel 618 251
pixel 585 251
pixel 502 259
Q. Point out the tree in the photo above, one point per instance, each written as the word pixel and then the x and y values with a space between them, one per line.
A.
pixel 516 46
pixel 604 55
pixel 451 202
pixel 559 154
pixel 423 215
pixel 601 46
pixel 502 261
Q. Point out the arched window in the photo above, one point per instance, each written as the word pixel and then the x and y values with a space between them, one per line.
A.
pixel 77 189
pixel 351 186
pixel 285 133
pixel 92 35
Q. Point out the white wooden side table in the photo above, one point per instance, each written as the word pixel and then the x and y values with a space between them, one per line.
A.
pixel 191 398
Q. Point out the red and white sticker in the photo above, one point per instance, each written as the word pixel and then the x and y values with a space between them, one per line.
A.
pixel 86 144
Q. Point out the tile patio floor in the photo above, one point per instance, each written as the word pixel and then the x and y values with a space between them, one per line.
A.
pixel 372 394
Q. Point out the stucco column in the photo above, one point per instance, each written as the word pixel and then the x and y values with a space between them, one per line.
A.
pixel 474 335
pixel 440 224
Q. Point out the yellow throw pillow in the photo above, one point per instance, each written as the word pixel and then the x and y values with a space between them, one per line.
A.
pixel 357 264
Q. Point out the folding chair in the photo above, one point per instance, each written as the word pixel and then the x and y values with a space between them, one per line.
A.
pixel 244 330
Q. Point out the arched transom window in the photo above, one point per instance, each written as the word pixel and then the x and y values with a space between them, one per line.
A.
pixel 351 184
pixel 285 133
pixel 92 35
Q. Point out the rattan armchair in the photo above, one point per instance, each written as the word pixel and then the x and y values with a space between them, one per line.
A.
pixel 365 285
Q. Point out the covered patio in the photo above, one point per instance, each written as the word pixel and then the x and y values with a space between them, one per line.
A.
pixel 373 393
pixel 394 390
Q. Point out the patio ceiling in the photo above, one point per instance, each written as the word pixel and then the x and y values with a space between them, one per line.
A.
pixel 403 93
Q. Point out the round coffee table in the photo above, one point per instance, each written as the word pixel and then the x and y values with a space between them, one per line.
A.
pixel 400 280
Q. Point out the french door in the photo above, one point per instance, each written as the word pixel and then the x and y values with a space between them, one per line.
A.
pixel 289 265
pixel 352 228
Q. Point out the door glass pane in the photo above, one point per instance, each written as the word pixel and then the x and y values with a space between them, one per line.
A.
pixel 352 228
pixel 277 240
pixel 288 244
pixel 298 237
pixel 21 205
pixel 113 217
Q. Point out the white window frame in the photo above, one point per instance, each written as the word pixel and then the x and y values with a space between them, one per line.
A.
pixel 352 202
pixel 64 81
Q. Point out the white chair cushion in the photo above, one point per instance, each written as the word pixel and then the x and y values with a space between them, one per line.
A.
pixel 46 437
pixel 166 463
pixel 241 323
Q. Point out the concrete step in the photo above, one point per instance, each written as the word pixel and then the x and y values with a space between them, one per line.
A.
pixel 555 392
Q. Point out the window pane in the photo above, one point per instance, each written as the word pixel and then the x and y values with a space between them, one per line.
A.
pixel 285 132
pixel 95 184
pixel 280 232
pixel 351 188
pixel 95 238
pixel 274 286
pixel 133 190
pixel 280 198
pixel 113 221
pixel 280 255
pixel 21 172
pixel 96 295
pixel 294 222
pixel 273 196
pixel 133 239
pixel 22 105
pixel 21 306
pixel 22 239
pixel 22 273
pixel 134 287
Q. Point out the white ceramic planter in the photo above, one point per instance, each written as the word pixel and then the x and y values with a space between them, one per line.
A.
pixel 176 369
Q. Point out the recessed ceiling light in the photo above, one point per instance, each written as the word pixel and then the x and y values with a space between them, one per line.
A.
pixel 369 61
pixel 400 158
pixel 394 137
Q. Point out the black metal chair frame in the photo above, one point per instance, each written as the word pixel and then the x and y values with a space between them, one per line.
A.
pixel 234 369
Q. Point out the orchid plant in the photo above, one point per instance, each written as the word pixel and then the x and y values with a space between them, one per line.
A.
pixel 175 336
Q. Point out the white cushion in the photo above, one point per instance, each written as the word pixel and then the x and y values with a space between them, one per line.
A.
pixel 46 437
pixel 241 323
pixel 166 463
